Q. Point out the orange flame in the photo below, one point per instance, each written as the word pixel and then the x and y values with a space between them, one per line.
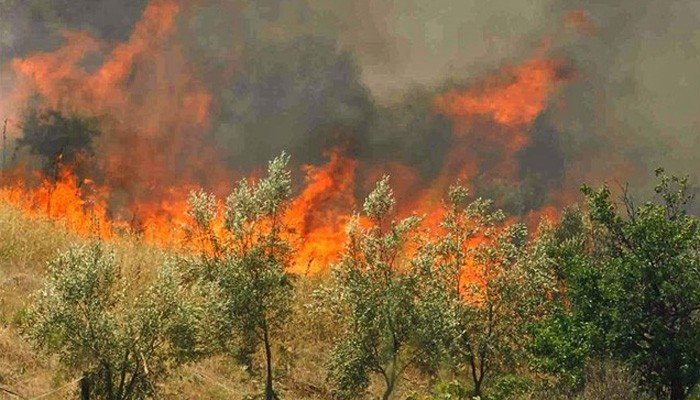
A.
pixel 154 114
pixel 79 205
pixel 495 118
pixel 511 103
pixel 319 214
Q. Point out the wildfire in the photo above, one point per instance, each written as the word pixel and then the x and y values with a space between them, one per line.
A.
pixel 151 153
pixel 497 115
pixel 513 103
pixel 152 110
pixel 78 204
pixel 321 211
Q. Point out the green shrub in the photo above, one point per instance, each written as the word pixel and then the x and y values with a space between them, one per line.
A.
pixel 123 343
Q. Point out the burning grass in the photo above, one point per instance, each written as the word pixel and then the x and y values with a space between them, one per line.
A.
pixel 154 144
pixel 27 243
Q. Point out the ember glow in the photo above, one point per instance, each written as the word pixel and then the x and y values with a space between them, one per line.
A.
pixel 155 113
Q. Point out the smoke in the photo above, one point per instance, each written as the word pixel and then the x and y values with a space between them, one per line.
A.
pixel 413 42
pixel 35 25
pixel 634 106
pixel 637 104
pixel 305 75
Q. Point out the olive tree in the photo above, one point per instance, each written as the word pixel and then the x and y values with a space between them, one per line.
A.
pixel 632 279
pixel 246 263
pixel 567 339
pixel 376 285
pixel 483 283
pixel 122 342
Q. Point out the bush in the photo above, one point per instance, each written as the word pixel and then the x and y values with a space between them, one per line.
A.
pixel 245 265
pixel 122 343
pixel 376 286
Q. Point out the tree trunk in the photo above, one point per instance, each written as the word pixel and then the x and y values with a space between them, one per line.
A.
pixel 677 392
pixel 477 387
pixel 85 388
pixel 269 391
pixel 389 390
pixel 390 376
pixel 477 378
pixel 107 376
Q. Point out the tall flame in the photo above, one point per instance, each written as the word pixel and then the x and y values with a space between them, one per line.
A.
pixel 151 153
pixel 320 212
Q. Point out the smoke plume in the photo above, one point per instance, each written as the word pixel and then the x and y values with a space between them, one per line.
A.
pixel 522 101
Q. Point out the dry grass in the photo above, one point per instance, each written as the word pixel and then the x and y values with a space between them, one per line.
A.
pixel 25 247
pixel 28 244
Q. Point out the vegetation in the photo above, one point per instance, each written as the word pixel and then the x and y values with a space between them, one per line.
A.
pixel 247 265
pixel 650 285
pixel 604 303
pixel 633 281
pixel 122 345
pixel 377 288
pixel 56 137
pixel 485 283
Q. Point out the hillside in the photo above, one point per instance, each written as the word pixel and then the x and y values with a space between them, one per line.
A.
pixel 28 244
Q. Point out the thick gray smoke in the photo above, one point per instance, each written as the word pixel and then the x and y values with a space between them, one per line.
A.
pixel 33 25
pixel 634 106
pixel 303 75
pixel 638 99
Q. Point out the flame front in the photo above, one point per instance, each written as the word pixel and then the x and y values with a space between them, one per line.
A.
pixel 151 152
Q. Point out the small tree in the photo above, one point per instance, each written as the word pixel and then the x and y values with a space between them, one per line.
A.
pixel 246 263
pixel 376 286
pixel 483 284
pixel 567 339
pixel 647 264
pixel 53 135
pixel 123 343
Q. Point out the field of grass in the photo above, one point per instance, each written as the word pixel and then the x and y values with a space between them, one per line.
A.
pixel 28 244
